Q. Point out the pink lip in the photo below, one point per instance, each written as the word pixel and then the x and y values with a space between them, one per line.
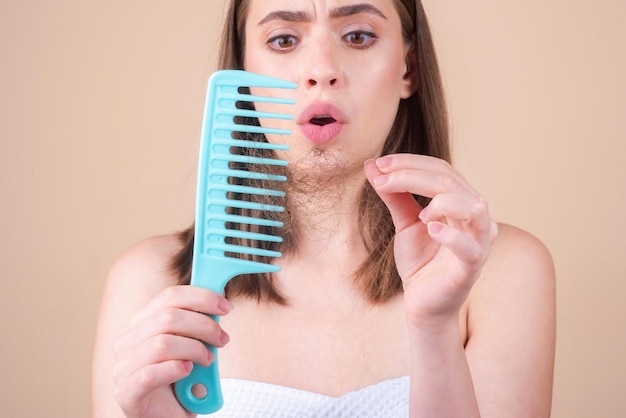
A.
pixel 321 134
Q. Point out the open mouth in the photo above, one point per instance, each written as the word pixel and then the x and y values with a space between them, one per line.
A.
pixel 322 120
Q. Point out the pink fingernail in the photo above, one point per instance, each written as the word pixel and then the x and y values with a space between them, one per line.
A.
pixel 423 213
pixel 435 227
pixel 383 162
pixel 224 305
pixel 380 180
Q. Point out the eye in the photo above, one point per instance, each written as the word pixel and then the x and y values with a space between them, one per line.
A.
pixel 282 42
pixel 360 39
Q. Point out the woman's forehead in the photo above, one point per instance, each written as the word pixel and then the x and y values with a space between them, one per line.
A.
pixel 310 9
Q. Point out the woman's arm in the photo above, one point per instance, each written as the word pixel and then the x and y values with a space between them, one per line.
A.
pixel 136 277
pixel 149 333
pixel 512 328
pixel 506 365
pixel 440 253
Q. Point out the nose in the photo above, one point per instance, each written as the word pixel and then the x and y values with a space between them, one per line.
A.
pixel 323 67
pixel 313 81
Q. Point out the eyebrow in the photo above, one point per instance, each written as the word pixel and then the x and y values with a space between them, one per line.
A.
pixel 344 11
pixel 356 9
pixel 287 15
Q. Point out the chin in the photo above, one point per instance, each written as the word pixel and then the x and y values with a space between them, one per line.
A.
pixel 323 163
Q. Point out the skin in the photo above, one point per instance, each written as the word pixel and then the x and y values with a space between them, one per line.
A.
pixel 474 327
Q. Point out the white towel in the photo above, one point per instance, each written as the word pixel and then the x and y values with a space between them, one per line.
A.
pixel 250 399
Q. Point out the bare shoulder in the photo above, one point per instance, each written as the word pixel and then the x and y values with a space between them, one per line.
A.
pixel 517 255
pixel 152 254
pixel 521 243
pixel 143 270
pixel 138 275
pixel 518 280
pixel 156 250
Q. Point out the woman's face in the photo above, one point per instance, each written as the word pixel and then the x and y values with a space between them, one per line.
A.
pixel 349 61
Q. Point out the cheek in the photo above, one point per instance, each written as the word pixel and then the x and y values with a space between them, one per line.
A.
pixel 383 98
pixel 390 70
pixel 377 114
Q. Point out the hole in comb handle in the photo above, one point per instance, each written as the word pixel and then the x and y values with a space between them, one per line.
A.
pixel 199 391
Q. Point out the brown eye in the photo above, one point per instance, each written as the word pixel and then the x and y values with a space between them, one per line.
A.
pixel 357 38
pixel 360 39
pixel 282 42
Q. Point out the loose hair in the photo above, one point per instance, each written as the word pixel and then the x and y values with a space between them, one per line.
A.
pixel 420 127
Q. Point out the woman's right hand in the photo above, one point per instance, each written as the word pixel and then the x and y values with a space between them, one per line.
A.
pixel 162 342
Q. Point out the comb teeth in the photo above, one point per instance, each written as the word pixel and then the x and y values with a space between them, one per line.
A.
pixel 237 193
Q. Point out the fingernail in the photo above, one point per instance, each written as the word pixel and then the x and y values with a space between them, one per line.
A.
pixel 380 180
pixel 435 227
pixel 383 162
pixel 423 214
pixel 187 366
pixel 224 305
pixel 224 338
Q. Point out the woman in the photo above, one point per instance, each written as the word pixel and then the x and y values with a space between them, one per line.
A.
pixel 396 285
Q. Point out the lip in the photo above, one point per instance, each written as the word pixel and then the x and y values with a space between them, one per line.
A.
pixel 321 134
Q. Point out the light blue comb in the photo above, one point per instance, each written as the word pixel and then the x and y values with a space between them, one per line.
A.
pixel 214 256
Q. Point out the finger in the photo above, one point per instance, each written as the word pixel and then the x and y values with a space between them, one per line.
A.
pixel 172 321
pixel 493 231
pixel 192 298
pixel 132 389
pixel 160 349
pixel 443 173
pixel 173 347
pixel 469 251
pixel 402 206
pixel 461 210
pixel 418 182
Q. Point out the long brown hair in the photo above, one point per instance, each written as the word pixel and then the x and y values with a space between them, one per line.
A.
pixel 420 127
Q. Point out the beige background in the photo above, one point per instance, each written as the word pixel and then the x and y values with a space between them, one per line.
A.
pixel 100 105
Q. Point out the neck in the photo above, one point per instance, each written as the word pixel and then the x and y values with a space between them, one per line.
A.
pixel 326 247
pixel 323 214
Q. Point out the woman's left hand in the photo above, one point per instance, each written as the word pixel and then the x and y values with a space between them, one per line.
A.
pixel 440 249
